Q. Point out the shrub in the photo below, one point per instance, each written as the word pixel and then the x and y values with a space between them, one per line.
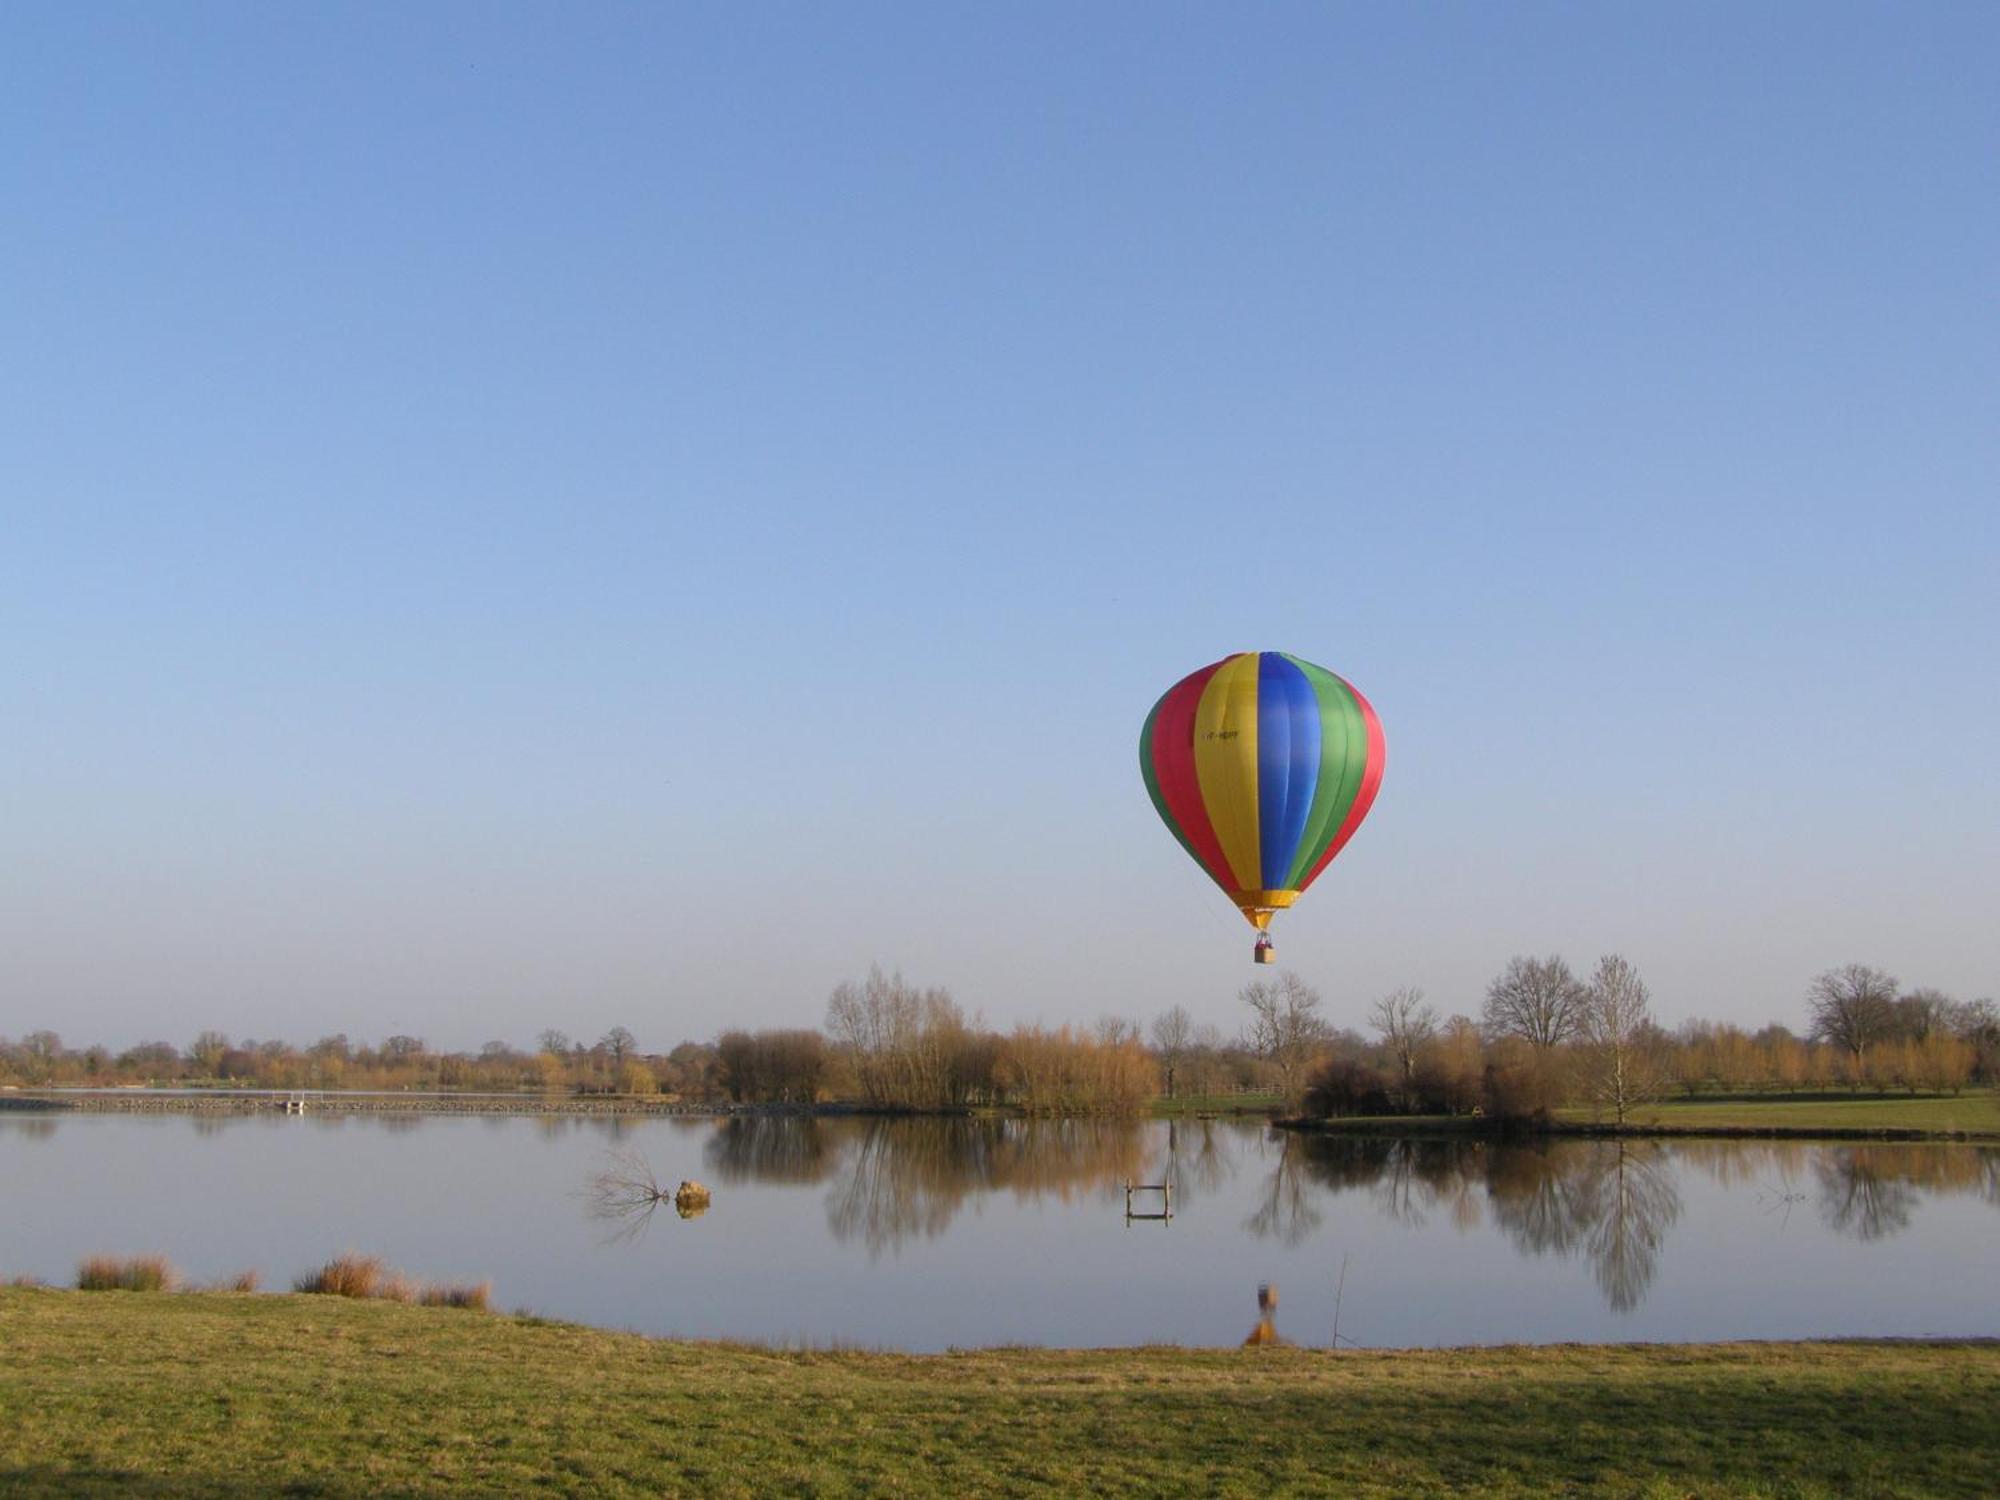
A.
pixel 242 1281
pixel 138 1273
pixel 778 1067
pixel 1523 1083
pixel 1347 1086
pixel 1067 1072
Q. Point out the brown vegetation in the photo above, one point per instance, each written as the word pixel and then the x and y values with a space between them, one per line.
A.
pixel 475 1297
pixel 352 1275
pixel 132 1273
pixel 1061 1072
pixel 772 1067
pixel 367 1277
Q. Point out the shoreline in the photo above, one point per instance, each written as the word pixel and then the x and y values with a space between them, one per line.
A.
pixel 632 1106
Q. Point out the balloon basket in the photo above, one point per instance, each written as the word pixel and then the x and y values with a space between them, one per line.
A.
pixel 1264 953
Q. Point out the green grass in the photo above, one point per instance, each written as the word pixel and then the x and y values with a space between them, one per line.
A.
pixel 1976 1111
pixel 237 1396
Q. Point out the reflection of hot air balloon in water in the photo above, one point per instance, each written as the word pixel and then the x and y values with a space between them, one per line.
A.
pixel 1263 766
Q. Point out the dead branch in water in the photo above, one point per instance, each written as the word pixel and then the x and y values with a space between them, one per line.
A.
pixel 625 1186
pixel 628 1194
pixel 625 1194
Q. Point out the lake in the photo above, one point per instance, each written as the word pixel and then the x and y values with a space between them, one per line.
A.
pixel 928 1234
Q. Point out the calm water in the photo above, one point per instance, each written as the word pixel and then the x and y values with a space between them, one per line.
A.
pixel 929 1234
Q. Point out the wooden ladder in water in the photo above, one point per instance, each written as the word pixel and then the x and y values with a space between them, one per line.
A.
pixel 1164 1189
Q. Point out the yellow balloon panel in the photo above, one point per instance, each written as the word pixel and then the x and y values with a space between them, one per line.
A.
pixel 1225 763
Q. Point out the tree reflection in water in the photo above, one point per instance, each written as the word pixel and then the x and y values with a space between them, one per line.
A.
pixel 899 1179
pixel 1199 1159
pixel 1639 1202
pixel 1610 1203
pixel 776 1148
pixel 1869 1192
pixel 1284 1210
pixel 1406 1176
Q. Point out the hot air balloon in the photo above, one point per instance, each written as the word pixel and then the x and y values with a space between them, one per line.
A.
pixel 1262 765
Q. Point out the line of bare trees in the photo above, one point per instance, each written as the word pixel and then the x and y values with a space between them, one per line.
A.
pixel 612 1064
pixel 1544 1036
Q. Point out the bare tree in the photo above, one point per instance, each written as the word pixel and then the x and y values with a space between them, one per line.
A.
pixel 1206 1064
pixel 1173 1035
pixel 206 1051
pixel 1405 1023
pixel 555 1043
pixel 1621 1057
pixel 1115 1031
pixel 1923 1013
pixel 1535 999
pixel 42 1048
pixel 1286 1028
pixel 620 1043
pixel 1977 1024
pixel 1852 1007
pixel 908 1047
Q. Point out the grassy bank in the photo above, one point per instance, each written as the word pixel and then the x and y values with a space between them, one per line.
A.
pixel 1973 1115
pixel 1216 1104
pixel 1976 1112
pixel 235 1395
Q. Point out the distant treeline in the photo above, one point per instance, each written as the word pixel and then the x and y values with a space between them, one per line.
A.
pixel 1547 1038
pixel 1544 1037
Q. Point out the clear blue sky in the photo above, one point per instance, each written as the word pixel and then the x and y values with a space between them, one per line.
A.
pixel 518 516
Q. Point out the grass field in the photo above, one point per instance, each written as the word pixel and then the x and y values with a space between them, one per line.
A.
pixel 162 1394
pixel 1976 1111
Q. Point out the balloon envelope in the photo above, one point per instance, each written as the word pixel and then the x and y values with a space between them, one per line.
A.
pixel 1262 765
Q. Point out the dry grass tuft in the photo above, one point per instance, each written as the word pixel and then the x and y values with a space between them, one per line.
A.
pixel 475 1297
pixel 397 1287
pixel 347 1275
pixel 136 1273
pixel 366 1276
pixel 242 1281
